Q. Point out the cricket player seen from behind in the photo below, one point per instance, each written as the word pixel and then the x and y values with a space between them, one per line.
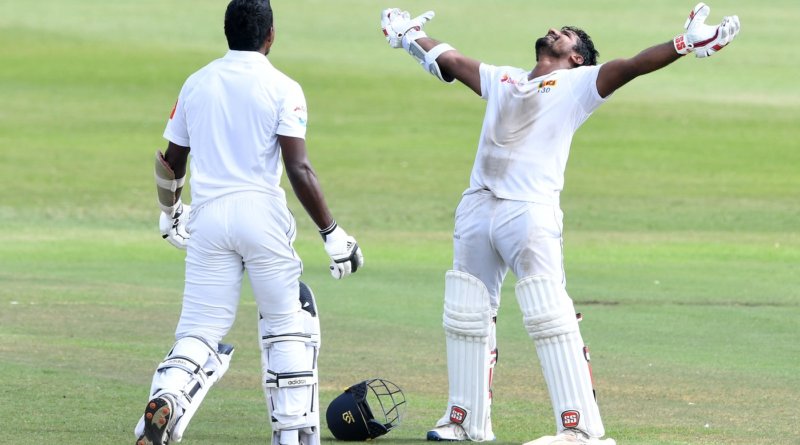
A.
pixel 239 116
pixel 510 217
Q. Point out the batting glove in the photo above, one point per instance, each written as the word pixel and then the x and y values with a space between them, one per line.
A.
pixel 173 228
pixel 396 23
pixel 346 257
pixel 705 40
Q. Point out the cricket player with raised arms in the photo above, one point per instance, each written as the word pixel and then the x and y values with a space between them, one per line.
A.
pixel 510 217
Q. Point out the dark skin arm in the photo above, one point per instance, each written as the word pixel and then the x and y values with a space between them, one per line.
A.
pixel 612 75
pixel 304 180
pixel 177 156
pixel 616 73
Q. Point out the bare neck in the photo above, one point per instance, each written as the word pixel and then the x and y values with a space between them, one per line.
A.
pixel 547 65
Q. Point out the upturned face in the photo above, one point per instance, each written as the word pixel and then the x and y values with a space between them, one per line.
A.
pixel 556 43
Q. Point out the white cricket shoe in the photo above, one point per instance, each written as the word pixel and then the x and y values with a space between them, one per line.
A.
pixel 449 432
pixel 571 437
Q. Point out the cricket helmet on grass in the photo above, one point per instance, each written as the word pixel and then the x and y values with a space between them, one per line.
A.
pixel 366 410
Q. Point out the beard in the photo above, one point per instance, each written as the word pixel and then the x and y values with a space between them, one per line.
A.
pixel 543 46
pixel 546 46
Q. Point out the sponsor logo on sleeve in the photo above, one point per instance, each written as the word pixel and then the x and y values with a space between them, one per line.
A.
pixel 301 113
pixel 505 78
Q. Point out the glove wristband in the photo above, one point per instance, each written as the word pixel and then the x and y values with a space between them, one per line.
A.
pixel 682 47
pixel 328 230
pixel 174 211
pixel 412 35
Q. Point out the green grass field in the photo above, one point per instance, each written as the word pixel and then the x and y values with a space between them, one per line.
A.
pixel 681 231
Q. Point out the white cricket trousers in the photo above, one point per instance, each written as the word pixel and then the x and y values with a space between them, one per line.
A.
pixel 246 231
pixel 492 235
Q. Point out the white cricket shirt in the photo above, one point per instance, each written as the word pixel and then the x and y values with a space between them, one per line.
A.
pixel 528 128
pixel 229 113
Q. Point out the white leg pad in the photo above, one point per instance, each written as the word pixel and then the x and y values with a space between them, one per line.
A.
pixel 293 395
pixel 549 317
pixel 471 354
pixel 187 373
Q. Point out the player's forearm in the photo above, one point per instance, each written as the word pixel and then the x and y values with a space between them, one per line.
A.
pixel 618 72
pixel 427 43
pixel 177 157
pixel 308 191
pixel 654 58
pixel 170 176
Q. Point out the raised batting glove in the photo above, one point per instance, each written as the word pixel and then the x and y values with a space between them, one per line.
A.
pixel 705 40
pixel 346 257
pixel 173 228
pixel 396 23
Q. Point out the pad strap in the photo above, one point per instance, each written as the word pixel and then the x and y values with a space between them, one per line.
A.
pixel 269 340
pixel 181 362
pixel 290 379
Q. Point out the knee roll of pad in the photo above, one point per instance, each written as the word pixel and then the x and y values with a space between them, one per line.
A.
pixel 547 310
pixel 467 311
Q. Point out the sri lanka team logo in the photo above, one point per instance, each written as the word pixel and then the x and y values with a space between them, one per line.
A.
pixel 544 86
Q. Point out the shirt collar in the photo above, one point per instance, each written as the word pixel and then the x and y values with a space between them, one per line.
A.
pixel 246 56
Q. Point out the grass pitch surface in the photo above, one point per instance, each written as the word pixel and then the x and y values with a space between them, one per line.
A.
pixel 681 206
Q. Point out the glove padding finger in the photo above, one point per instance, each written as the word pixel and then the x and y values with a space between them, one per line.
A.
pixel 725 33
pixel 698 15
pixel 173 229
pixel 387 16
pixel 343 250
pixel 396 23
pixel 420 20
pixel 343 267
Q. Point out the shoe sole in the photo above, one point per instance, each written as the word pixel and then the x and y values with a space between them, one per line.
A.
pixel 435 437
pixel 156 416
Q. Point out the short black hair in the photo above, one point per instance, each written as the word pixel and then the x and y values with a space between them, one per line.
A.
pixel 585 46
pixel 247 24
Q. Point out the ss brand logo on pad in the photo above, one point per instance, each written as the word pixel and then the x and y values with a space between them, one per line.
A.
pixel 570 419
pixel 457 415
